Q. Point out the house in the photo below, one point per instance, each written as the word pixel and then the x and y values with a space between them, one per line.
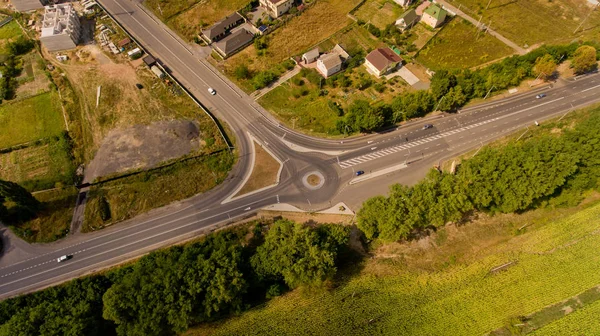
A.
pixel 221 29
pixel 233 43
pixel 382 60
pixel 407 20
pixel 60 27
pixel 311 56
pixel 123 42
pixel 403 3
pixel 331 63
pixel 434 16
pixel 276 8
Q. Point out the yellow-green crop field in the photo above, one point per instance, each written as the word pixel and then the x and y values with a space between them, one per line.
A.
pixel 580 322
pixel 553 259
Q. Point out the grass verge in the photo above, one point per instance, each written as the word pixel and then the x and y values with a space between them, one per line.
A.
pixel 442 285
pixel 118 200
pixel 30 119
pixel 264 172
pixel 461 45
pixel 53 221
pixel 379 13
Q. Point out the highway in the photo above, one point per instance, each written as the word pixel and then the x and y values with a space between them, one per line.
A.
pixel 418 148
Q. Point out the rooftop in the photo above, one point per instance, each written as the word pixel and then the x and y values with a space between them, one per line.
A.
pixel 331 60
pixel 382 57
pixel 435 11
pixel 235 41
pixel 222 26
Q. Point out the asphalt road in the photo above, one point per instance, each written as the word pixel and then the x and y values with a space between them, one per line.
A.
pixel 451 135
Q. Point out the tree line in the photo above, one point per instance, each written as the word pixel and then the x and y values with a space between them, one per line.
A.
pixel 170 290
pixel 519 176
pixel 452 89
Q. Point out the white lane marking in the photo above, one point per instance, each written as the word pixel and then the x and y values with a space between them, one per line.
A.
pixel 372 156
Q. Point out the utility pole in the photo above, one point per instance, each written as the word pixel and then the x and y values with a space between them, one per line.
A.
pixel 490 90
pixel 438 104
pixel 161 13
pixel 407 156
pixel 488 5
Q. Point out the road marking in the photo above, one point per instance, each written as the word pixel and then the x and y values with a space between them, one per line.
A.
pixel 593 87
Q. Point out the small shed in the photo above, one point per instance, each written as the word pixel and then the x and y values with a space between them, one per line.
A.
pixel 149 60
pixel 157 72
pixel 310 56
pixel 123 42
pixel 262 29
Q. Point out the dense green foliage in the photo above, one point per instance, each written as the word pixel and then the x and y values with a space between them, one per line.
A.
pixel 507 179
pixel 168 291
pixel 584 59
pixel 10 68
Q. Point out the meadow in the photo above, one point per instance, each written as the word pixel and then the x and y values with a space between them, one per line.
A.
pixel 443 284
pixel 8 33
pixel 460 45
pixel 203 14
pixel 31 119
pixel 529 22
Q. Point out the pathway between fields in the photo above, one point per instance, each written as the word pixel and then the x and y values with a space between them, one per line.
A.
pixel 259 93
pixel 462 14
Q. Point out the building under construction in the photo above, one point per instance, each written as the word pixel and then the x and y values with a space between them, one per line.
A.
pixel 60 27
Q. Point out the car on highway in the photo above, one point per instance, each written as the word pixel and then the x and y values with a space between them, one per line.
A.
pixel 212 91
pixel 541 95
pixel 426 126
pixel 63 258
pixel 360 172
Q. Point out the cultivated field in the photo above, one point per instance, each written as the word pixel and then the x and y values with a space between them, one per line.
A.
pixel 204 13
pixel 461 45
pixel 30 119
pixel 379 13
pixel 529 22
pixel 442 285
pixel 38 167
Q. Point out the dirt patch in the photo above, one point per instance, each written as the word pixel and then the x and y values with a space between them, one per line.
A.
pixel 313 180
pixel 308 218
pixel 143 146
pixel 264 172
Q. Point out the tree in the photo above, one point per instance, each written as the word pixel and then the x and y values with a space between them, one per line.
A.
pixel 242 71
pixel 454 99
pixel 263 79
pixel 545 66
pixel 16 203
pixel 362 116
pixel 584 59
pixel 297 254
pixel 441 82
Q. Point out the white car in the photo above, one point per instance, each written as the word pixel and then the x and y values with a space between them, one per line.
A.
pixel 62 258
pixel 212 91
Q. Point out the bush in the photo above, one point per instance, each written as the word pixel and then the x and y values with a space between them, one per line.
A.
pixel 242 72
pixel 262 79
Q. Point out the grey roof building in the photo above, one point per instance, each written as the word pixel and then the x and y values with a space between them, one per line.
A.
pixel 233 43
pixel 28 5
pixel 221 29
pixel 60 27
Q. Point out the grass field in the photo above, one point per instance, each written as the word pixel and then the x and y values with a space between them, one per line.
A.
pixel 54 220
pixel 442 285
pixel 38 167
pixel 137 194
pixel 9 32
pixel 316 24
pixel 264 173
pixel 30 119
pixel 203 14
pixel 529 22
pixel 459 45
pixel 380 13
pixel 355 39
pixel 580 322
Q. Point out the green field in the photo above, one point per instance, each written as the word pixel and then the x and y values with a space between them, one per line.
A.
pixel 581 322
pixel 380 13
pixel 443 285
pixel 461 45
pixel 9 32
pixel 529 22
pixel 30 119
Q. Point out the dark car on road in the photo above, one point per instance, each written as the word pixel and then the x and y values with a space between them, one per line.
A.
pixel 426 126
pixel 541 95
pixel 360 172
